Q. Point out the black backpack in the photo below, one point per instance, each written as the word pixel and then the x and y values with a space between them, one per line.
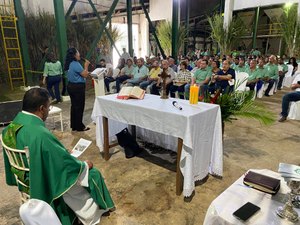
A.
pixel 128 142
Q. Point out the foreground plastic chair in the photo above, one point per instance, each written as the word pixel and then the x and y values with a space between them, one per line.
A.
pixel 294 113
pixel 19 161
pixel 52 113
pixel 241 81
pixel 38 212
pixel 288 79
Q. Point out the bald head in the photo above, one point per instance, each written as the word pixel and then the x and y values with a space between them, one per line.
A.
pixel 165 64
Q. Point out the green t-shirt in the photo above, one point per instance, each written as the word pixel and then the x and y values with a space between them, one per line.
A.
pixel 253 74
pixel 240 69
pixel 262 72
pixel 128 71
pixel 201 74
pixel 52 69
pixel 235 53
pixel 209 68
pixel 256 53
pixel 272 71
pixel 282 67
pixel 233 66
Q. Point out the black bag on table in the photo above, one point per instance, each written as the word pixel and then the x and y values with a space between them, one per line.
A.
pixel 128 142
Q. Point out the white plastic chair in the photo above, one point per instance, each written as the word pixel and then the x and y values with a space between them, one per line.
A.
pixel 273 89
pixel 38 212
pixel 116 72
pixel 19 160
pixel 294 113
pixel 241 81
pixel 53 113
pixel 260 93
pixel 288 79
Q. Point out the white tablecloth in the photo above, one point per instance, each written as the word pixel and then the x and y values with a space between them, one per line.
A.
pixel 221 209
pixel 198 125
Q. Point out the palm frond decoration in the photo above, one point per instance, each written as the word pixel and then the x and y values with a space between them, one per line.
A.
pixel 104 45
pixel 226 38
pixel 290 30
pixel 240 104
pixel 164 34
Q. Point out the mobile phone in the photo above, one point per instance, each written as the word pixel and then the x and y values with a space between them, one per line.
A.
pixel 246 211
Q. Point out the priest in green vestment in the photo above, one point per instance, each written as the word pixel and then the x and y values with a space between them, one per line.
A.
pixel 72 187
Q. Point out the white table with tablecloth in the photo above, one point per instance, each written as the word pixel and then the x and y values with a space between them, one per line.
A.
pixel 159 122
pixel 221 209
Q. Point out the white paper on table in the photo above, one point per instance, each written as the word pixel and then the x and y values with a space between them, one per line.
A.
pixel 289 170
pixel 80 147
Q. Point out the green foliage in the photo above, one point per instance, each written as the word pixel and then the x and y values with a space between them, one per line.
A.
pixel 164 34
pixel 240 104
pixel 290 30
pixel 226 38
pixel 41 32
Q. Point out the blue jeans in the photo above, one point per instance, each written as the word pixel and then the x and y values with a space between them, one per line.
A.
pixel 286 99
pixel 120 80
pixel 271 83
pixel 54 81
pixel 180 89
pixel 145 84
pixel 107 81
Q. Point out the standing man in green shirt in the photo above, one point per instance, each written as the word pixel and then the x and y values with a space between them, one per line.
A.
pixel 272 72
pixel 201 78
pixel 282 70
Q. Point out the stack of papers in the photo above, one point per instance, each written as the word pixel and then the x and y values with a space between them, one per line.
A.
pixel 289 171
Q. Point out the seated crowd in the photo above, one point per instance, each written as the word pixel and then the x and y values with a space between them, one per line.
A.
pixel 210 73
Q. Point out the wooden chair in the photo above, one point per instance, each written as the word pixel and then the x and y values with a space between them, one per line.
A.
pixel 19 160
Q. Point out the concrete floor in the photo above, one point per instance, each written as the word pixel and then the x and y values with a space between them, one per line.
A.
pixel 143 188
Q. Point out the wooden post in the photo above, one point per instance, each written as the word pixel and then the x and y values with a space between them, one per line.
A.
pixel 179 177
pixel 106 138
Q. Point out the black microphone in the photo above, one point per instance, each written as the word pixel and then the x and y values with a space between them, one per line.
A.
pixel 176 105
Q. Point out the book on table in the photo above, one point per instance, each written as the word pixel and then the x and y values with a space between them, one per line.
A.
pixel 131 92
pixel 262 182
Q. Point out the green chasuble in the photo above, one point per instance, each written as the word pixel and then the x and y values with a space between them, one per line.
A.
pixel 53 171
